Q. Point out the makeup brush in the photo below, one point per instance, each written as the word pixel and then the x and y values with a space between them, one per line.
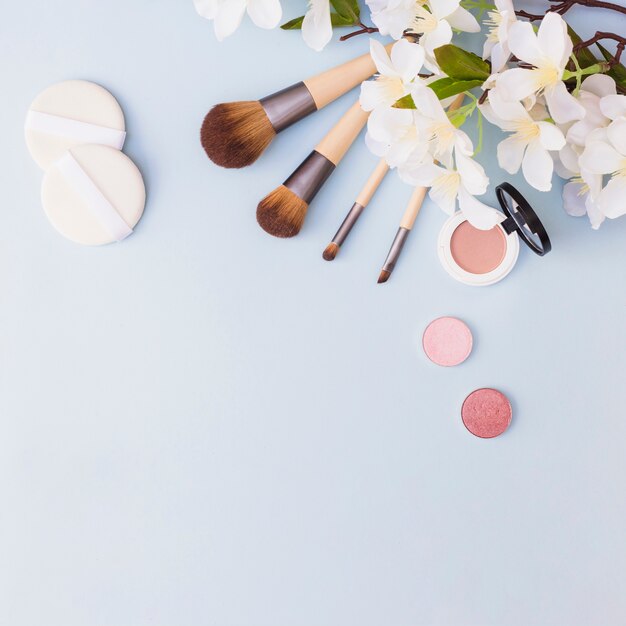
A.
pixel 406 224
pixel 408 219
pixel 235 134
pixel 362 200
pixel 281 213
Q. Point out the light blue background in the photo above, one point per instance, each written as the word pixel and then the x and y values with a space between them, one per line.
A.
pixel 205 425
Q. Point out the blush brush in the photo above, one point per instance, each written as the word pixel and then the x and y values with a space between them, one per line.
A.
pixel 281 213
pixel 235 134
pixel 362 200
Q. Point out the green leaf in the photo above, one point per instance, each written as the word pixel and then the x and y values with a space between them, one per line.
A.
pixel 617 72
pixel 460 64
pixel 446 87
pixel 336 20
pixel 347 9
pixel 405 103
pixel 293 24
pixel 585 56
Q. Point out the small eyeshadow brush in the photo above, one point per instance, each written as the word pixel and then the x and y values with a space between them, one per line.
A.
pixel 235 134
pixel 406 224
pixel 281 213
pixel 362 200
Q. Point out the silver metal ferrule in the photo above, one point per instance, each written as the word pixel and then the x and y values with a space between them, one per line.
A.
pixel 346 226
pixel 311 174
pixel 288 106
pixel 396 249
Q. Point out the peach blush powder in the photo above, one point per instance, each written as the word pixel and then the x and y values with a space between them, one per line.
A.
pixel 447 341
pixel 477 251
pixel 486 413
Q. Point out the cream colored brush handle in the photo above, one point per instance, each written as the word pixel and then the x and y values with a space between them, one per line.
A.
pixel 326 87
pixel 373 183
pixel 413 208
pixel 346 130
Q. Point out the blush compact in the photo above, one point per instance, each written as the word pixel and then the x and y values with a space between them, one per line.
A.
pixel 484 257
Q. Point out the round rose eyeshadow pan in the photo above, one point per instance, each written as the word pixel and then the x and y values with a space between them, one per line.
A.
pixel 486 413
pixel 447 341
pixel 477 251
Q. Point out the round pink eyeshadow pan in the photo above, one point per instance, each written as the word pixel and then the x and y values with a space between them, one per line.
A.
pixel 447 341
pixel 486 413
pixel 477 251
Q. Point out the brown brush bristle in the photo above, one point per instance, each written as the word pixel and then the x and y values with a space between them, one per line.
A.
pixel 331 251
pixel 281 213
pixel 384 276
pixel 236 134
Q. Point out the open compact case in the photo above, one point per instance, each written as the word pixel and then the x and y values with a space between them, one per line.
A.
pixel 484 257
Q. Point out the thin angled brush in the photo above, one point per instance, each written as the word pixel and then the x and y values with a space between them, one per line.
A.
pixel 235 134
pixel 282 212
pixel 408 219
pixel 406 225
pixel 362 200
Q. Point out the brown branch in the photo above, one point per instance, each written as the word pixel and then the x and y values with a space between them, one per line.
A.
pixel 563 6
pixel 621 44
pixel 364 30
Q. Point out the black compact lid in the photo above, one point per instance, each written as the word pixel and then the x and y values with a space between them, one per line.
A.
pixel 522 219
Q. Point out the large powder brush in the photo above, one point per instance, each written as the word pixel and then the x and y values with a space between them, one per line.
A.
pixel 235 134
pixel 281 213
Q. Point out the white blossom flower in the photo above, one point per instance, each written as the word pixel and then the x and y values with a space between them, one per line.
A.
pixel 605 154
pixel 227 14
pixel 528 147
pixel 393 134
pixel 497 45
pixel 435 126
pixel 447 185
pixel 396 73
pixel 317 29
pixel 592 90
pixel 432 19
pixel 548 51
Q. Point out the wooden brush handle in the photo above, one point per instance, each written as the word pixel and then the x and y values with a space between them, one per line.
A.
pixel 372 184
pixel 328 86
pixel 335 145
pixel 413 208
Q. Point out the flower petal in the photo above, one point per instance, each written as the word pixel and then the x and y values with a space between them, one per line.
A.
pixel 518 83
pixel 207 8
pixel 265 13
pixel 538 166
pixel 381 59
pixel 554 40
pixel 562 105
pixel 436 38
pixel 616 132
pixel 443 8
pixel 422 176
pixel 479 215
pixel 611 201
pixel 472 175
pixel 574 199
pixel 600 158
pixel 228 18
pixel 510 154
pixel 317 29
pixel 407 59
pixel 613 106
pixel 550 136
pixel 463 20
pixel 524 45
pixel 600 85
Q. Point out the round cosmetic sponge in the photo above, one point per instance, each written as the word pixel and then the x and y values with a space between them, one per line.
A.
pixel 447 341
pixel 93 195
pixel 69 114
pixel 486 413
